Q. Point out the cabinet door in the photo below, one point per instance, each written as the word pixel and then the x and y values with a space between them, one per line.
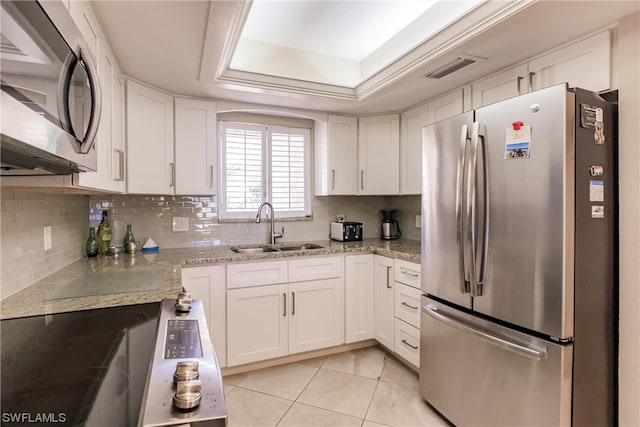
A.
pixel 507 84
pixel 444 107
pixel 150 165
pixel 208 284
pixel 336 158
pixel 379 155
pixel 383 301
pixel 117 136
pixel 316 314
pixel 196 145
pixel 257 324
pixel 358 286
pixel 411 149
pixel 585 64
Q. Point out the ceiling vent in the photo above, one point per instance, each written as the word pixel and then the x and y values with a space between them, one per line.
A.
pixel 449 68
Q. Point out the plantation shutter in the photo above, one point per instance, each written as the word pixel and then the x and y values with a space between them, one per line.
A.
pixel 288 166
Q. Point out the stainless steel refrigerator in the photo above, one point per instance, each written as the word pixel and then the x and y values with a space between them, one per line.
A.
pixel 519 262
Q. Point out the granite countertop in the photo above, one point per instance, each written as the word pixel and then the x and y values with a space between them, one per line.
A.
pixel 61 291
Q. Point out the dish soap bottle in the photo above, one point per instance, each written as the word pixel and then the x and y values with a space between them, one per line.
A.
pixel 92 245
pixel 104 234
pixel 128 237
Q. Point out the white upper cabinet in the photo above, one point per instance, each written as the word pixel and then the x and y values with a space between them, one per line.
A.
pixel 195 147
pixel 379 155
pixel 109 142
pixel 504 85
pixel 336 158
pixel 151 164
pixel 584 64
pixel 411 136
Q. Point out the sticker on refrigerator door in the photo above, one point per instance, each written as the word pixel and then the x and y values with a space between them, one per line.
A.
pixel 597 211
pixel 592 117
pixel 518 145
pixel 596 190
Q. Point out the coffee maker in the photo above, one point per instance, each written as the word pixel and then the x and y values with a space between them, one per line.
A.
pixel 390 228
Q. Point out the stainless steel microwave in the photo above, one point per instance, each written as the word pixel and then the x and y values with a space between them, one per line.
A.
pixel 51 100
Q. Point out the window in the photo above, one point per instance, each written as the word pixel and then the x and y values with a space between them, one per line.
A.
pixel 264 164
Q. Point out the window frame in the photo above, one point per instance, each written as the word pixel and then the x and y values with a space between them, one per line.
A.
pixel 267 180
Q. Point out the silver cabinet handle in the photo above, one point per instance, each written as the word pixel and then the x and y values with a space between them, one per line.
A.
pixel 408 305
pixel 210 176
pixel 531 75
pixel 415 347
pixel 522 350
pixel 284 299
pixel 173 174
pixel 520 78
pixel 362 179
pixel 408 273
pixel 388 280
pixel 120 165
pixel 333 179
pixel 293 303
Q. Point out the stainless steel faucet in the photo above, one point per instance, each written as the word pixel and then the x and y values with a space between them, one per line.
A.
pixel 274 235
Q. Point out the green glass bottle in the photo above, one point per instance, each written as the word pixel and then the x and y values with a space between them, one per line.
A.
pixel 128 237
pixel 92 245
pixel 104 234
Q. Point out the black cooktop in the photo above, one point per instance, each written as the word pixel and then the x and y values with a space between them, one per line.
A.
pixel 78 368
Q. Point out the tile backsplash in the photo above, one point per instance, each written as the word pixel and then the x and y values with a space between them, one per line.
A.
pixel 23 216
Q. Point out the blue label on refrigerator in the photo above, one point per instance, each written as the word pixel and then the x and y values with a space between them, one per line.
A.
pixel 518 145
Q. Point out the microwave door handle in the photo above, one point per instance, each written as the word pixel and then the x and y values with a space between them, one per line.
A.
pixel 460 192
pixel 96 99
pixel 96 102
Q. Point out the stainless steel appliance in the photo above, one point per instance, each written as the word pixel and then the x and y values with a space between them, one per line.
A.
pixel 102 368
pixel 50 92
pixel 519 225
pixel 184 386
pixel 390 229
pixel 347 231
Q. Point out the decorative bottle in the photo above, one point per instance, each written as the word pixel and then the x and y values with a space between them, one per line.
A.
pixel 92 245
pixel 128 237
pixel 104 234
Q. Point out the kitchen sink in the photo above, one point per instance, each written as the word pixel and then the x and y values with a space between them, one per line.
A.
pixel 303 247
pixel 253 250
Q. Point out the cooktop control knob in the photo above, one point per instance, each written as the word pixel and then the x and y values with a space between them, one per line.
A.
pixel 188 394
pixel 186 371
pixel 183 302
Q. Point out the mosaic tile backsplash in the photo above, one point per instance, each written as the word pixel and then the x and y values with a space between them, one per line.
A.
pixel 24 214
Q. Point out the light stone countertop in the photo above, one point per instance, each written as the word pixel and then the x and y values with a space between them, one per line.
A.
pixel 37 298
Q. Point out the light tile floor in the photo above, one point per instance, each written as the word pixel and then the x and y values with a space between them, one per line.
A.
pixel 366 387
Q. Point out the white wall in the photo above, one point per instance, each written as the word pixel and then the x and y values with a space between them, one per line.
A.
pixel 628 72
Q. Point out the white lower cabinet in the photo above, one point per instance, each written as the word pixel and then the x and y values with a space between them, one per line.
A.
pixel 383 297
pixel 208 284
pixel 273 320
pixel 407 342
pixel 358 297
pixel 407 304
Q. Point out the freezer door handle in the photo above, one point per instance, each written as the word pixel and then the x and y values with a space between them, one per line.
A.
pixel 460 191
pixel 523 350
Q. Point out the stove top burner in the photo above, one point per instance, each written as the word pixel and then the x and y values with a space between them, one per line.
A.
pixel 80 368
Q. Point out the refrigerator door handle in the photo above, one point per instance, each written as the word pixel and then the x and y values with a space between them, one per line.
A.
pixel 460 192
pixel 478 277
pixel 523 350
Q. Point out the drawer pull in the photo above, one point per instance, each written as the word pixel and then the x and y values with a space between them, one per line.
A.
pixel 415 347
pixel 408 273
pixel 408 305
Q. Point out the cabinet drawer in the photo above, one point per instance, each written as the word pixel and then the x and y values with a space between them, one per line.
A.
pixel 256 274
pixel 315 268
pixel 407 342
pixel 407 304
pixel 407 272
